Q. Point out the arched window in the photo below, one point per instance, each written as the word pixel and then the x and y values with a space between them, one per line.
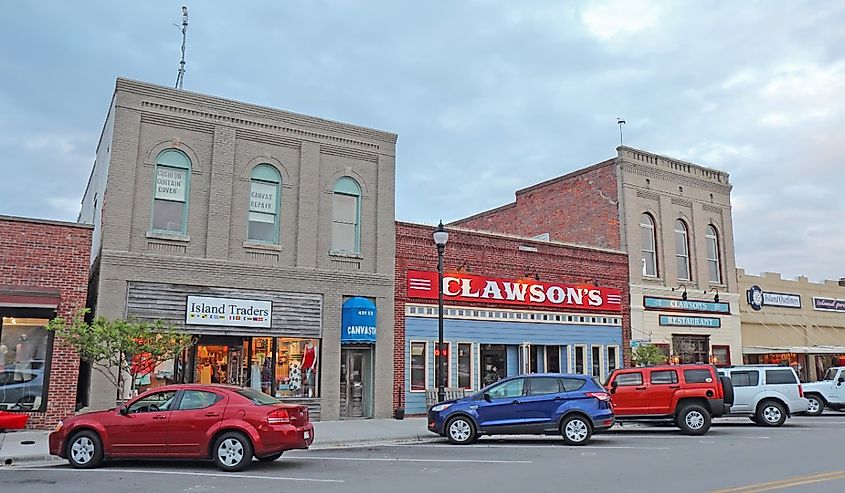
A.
pixel 714 265
pixel 346 216
pixel 264 200
pixel 649 245
pixel 172 191
pixel 682 250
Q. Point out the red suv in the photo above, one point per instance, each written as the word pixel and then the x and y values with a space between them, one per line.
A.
pixel 228 424
pixel 688 395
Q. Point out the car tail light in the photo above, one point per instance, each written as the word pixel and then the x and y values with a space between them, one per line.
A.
pixel 278 417
pixel 800 390
pixel 602 396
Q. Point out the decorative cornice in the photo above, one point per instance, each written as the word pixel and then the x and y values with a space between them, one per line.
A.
pixel 648 194
pixel 657 173
pixel 331 150
pixel 681 202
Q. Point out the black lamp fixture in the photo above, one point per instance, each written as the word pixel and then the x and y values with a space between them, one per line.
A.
pixel 441 236
pixel 684 293
pixel 715 298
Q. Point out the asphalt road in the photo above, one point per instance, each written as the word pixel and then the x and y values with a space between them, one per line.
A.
pixel 804 455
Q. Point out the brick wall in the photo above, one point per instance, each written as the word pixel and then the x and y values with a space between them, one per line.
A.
pixel 55 255
pixel 581 208
pixel 499 256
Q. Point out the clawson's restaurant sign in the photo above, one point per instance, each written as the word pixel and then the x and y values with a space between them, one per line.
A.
pixel 530 293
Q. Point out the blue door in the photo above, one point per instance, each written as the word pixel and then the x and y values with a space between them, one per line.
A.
pixel 543 398
pixel 504 406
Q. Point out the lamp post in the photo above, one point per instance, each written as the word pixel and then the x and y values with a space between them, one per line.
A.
pixel 441 236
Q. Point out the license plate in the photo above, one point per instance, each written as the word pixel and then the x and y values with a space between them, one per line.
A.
pixel 307 435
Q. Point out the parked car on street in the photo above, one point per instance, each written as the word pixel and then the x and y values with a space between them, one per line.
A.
pixel 574 406
pixel 829 392
pixel 20 388
pixel 227 424
pixel 688 395
pixel 767 394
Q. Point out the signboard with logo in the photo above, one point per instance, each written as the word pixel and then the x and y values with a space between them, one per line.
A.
pixel 655 303
pixel 682 321
pixel 205 310
pixel 528 293
pixel 758 298
pixel 828 304
pixel 358 321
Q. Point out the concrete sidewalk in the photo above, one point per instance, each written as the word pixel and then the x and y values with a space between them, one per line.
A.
pixel 28 446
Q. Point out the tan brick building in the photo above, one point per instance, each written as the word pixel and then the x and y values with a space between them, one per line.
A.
pixel 673 218
pixel 793 321
pixel 249 227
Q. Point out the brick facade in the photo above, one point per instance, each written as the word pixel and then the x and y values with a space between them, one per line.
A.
pixel 579 207
pixel 36 255
pixel 497 255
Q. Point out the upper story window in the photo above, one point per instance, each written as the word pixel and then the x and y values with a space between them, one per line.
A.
pixel 346 216
pixel 714 265
pixel 172 190
pixel 649 245
pixel 264 200
pixel 682 250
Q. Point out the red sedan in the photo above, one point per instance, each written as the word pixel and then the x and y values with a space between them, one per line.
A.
pixel 228 424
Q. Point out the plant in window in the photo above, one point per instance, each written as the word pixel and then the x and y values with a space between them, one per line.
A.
pixel 117 348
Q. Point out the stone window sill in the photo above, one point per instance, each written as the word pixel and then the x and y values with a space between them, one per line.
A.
pixel 341 254
pixel 255 245
pixel 160 235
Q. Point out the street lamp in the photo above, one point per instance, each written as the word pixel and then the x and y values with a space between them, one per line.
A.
pixel 441 236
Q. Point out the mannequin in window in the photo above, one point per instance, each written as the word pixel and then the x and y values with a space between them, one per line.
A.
pixel 309 365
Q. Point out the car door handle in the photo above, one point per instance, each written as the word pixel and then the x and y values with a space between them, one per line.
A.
pixel 558 398
pixel 639 388
pixel 159 416
pixel 674 386
pixel 212 414
pixel 514 402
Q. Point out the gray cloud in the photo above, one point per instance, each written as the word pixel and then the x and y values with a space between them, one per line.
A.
pixel 485 98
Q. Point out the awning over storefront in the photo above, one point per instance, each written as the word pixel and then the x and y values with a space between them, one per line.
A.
pixel 29 297
pixel 793 349
pixel 358 321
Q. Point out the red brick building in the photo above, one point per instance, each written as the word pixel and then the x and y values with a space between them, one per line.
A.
pixel 511 305
pixel 43 274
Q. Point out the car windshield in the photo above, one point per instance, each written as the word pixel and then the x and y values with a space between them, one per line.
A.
pixel 258 398
pixel 831 374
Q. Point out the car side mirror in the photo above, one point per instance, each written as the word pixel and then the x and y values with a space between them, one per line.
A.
pixel 124 411
pixel 841 379
pixel 487 397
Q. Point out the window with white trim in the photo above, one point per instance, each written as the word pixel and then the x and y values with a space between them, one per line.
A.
pixel 465 365
pixel 172 191
pixel 264 201
pixel 714 265
pixel 346 216
pixel 682 250
pixel 418 366
pixel 648 240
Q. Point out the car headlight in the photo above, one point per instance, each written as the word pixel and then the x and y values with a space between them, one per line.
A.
pixel 440 407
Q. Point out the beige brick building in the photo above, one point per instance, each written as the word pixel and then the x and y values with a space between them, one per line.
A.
pixel 793 321
pixel 249 227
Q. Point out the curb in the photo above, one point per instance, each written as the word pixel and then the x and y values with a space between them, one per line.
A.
pixel 6 462
pixel 328 445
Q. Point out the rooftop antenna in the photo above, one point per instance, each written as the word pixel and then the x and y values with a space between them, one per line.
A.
pixel 181 77
pixel 620 122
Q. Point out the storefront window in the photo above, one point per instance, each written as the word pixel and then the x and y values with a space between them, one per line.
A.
pixel 597 362
pixel 261 365
pixel 23 349
pixel 612 359
pixel 493 363
pixel 296 367
pixel 465 366
pixel 220 363
pixel 553 359
pixel 580 356
pixel 418 357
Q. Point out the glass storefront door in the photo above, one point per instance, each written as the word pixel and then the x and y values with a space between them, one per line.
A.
pixel 356 388
pixel 220 360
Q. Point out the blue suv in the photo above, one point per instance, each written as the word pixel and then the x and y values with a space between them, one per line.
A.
pixel 576 406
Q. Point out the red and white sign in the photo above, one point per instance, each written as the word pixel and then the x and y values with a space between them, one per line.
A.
pixel 529 293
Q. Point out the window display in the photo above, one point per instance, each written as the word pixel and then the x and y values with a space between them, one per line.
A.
pixel 296 367
pixel 23 348
pixel 261 366
pixel 219 364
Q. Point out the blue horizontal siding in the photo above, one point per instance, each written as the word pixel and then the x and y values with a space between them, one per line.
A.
pixel 511 334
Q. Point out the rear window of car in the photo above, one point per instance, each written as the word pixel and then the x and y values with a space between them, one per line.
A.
pixel 258 398
pixel 698 376
pixel 624 379
pixel 543 385
pixel 572 384
pixel 664 377
pixel 745 378
pixel 774 377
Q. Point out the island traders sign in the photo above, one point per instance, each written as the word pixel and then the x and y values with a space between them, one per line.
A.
pixel 669 304
pixel 529 293
pixel 204 310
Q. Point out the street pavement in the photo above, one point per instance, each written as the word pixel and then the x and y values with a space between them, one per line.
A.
pixel 734 457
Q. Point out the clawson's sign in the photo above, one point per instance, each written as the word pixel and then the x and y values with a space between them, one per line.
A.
pixel 529 293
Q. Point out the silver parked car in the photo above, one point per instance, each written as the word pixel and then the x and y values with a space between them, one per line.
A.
pixel 20 388
pixel 767 394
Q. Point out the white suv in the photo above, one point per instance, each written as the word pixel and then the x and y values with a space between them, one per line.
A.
pixel 767 394
pixel 828 392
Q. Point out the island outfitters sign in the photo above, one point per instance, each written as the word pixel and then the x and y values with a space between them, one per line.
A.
pixel 459 287
pixel 204 310
pixel 758 298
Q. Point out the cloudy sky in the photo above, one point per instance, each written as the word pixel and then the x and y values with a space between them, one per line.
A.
pixel 487 97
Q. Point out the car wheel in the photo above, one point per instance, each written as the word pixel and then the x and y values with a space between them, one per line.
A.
pixel 460 430
pixel 85 450
pixel 269 458
pixel 576 430
pixel 694 420
pixel 816 405
pixel 771 413
pixel 232 452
